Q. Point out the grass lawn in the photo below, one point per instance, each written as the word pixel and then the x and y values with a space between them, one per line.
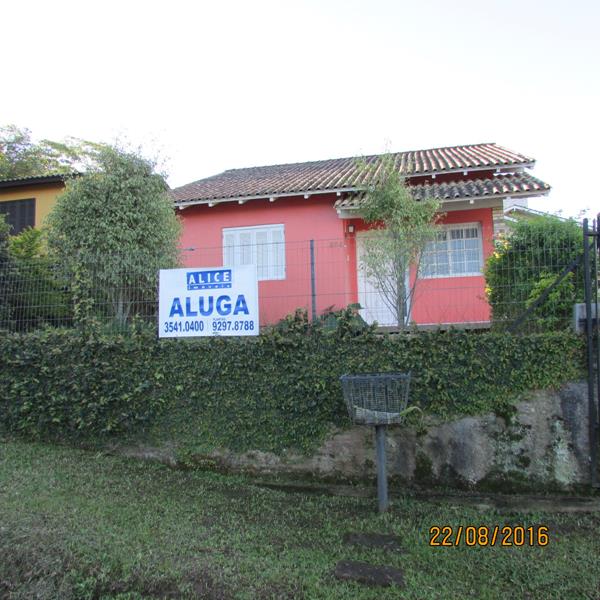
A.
pixel 74 524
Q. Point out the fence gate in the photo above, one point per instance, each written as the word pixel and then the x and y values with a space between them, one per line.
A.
pixel 591 249
pixel 585 320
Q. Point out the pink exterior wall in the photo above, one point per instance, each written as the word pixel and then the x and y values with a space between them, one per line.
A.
pixel 439 300
pixel 456 299
pixel 450 299
pixel 303 220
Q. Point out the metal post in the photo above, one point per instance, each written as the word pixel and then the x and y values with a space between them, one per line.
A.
pixel 313 289
pixel 592 415
pixel 382 487
pixel 596 246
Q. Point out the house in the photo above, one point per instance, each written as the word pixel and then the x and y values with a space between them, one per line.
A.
pixel 26 201
pixel 301 224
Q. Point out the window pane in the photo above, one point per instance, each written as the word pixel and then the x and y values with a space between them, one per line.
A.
pixel 20 214
pixel 442 269
pixel 262 254
pixel 263 246
pixel 229 249
pixel 456 251
pixel 245 249
pixel 278 254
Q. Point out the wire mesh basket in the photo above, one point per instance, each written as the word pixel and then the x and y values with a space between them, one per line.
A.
pixel 376 398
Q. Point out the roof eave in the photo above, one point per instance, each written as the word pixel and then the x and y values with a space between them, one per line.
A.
pixel 212 201
pixel 499 169
pixel 354 212
pixel 41 180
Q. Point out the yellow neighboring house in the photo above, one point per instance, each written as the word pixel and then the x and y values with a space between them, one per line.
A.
pixel 26 201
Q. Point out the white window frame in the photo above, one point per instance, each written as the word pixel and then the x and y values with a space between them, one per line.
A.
pixel 449 228
pixel 274 270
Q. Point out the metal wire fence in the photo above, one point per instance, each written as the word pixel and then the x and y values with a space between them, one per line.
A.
pixel 491 285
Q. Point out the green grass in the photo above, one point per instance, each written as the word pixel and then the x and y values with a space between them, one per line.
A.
pixel 75 524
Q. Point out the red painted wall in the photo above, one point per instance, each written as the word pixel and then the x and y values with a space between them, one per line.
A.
pixel 303 220
pixel 456 299
pixel 443 300
pixel 450 299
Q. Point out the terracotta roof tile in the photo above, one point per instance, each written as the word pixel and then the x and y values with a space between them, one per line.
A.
pixel 344 173
pixel 504 185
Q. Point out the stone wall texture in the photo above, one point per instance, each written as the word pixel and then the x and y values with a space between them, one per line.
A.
pixel 544 444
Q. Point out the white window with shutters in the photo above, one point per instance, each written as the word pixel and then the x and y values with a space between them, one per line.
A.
pixel 263 245
pixel 456 252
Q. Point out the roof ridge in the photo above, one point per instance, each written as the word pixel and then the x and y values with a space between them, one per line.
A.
pixel 323 160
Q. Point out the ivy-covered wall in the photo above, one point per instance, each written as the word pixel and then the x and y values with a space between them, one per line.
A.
pixel 277 391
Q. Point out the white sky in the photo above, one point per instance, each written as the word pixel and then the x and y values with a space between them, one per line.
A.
pixel 218 85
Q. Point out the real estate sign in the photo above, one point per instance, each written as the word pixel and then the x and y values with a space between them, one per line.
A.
pixel 205 302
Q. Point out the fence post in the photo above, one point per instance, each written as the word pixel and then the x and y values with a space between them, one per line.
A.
pixel 313 290
pixel 596 256
pixel 382 486
pixel 592 414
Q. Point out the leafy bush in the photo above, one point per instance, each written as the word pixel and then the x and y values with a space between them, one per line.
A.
pixel 527 262
pixel 113 228
pixel 40 291
pixel 278 390
pixel 557 308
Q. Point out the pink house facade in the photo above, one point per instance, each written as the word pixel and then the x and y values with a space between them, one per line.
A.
pixel 268 216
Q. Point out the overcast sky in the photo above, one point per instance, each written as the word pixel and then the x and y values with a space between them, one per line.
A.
pixel 219 85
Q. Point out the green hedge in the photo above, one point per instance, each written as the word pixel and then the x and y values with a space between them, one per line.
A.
pixel 276 391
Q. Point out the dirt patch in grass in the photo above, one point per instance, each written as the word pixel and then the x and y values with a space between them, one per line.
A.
pixel 374 540
pixel 366 574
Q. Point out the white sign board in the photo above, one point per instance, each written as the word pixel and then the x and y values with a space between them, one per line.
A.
pixel 206 302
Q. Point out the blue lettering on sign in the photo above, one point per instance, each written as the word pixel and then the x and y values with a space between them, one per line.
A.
pixel 208 280
pixel 207 305
pixel 224 305
pixel 205 311
pixel 188 308
pixel 176 308
pixel 241 306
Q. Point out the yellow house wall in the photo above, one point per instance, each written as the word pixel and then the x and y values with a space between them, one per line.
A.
pixel 45 198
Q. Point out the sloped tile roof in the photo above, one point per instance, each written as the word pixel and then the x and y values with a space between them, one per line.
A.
pixel 504 185
pixel 344 173
pixel 36 180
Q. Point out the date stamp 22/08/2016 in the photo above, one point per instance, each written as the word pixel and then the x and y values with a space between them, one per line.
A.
pixel 486 535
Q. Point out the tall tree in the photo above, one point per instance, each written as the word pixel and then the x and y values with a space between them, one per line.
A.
pixel 20 156
pixel 401 229
pixel 115 227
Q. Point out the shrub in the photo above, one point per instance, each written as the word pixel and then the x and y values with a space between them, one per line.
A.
pixel 279 390
pixel 40 291
pixel 528 261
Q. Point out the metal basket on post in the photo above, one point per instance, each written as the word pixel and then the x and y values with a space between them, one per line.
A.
pixel 378 399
